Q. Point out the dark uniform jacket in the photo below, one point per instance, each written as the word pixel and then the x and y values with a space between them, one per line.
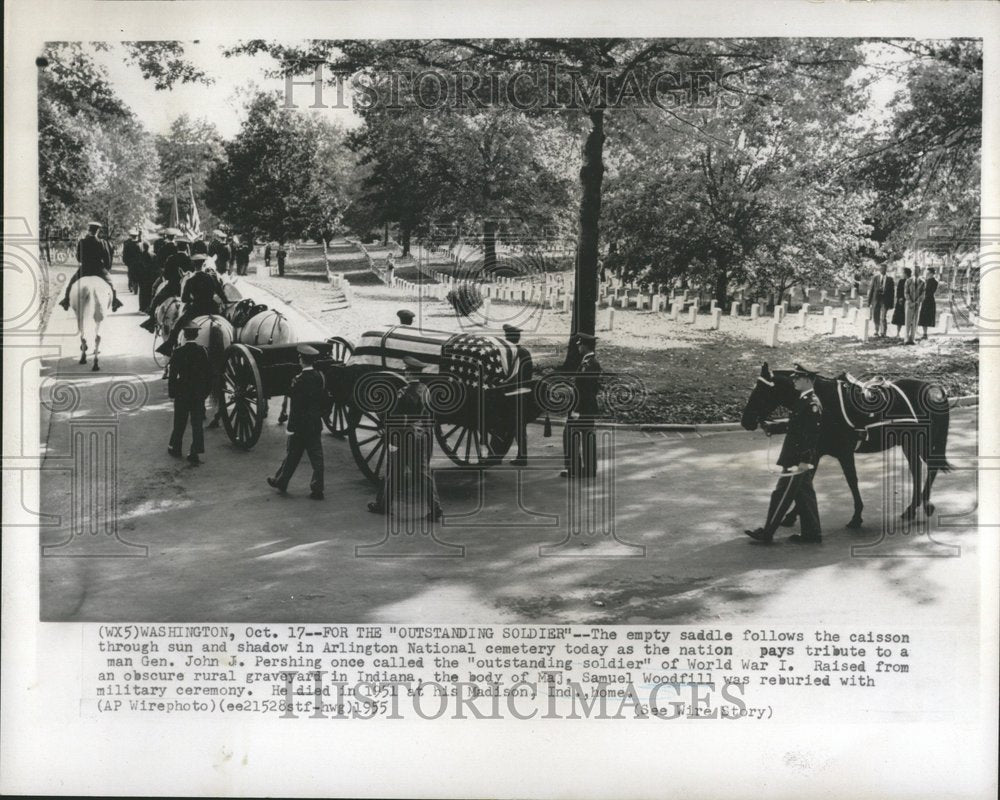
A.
pixel 887 293
pixel 92 255
pixel 306 396
pixel 588 385
pixel 200 290
pixel 801 444
pixel 131 253
pixel 525 366
pixel 222 255
pixel 190 375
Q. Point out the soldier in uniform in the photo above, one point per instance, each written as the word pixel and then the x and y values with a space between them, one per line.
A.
pixel 406 316
pixel 305 425
pixel 189 382
pixel 407 471
pixel 524 373
pixel 579 437
pixel 131 256
pixel 94 259
pixel 798 458
pixel 199 297
pixel 220 251
pixel 176 265
pixel 167 248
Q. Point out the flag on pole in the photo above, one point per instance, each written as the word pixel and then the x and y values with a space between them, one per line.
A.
pixel 175 216
pixel 193 219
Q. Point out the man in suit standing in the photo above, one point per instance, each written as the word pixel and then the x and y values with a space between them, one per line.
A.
pixel 913 293
pixel 881 297
pixel 189 382
pixel 524 372
pixel 579 437
pixel 798 458
pixel 305 425
pixel 94 258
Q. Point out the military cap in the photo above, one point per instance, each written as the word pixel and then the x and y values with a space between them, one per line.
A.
pixel 414 364
pixel 307 350
pixel 192 328
pixel 798 371
pixel 94 225
pixel 512 332
pixel 198 258
pixel 405 316
pixel 585 338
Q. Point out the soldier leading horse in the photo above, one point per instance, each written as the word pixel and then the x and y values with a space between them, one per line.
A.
pixel 867 418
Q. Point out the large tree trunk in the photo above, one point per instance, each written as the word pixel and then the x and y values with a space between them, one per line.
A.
pixel 721 286
pixel 385 235
pixel 591 178
pixel 404 234
pixel 489 247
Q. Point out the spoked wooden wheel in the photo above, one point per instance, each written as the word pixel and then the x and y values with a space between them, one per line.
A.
pixel 244 406
pixel 367 423
pixel 337 420
pixel 465 445
pixel 159 360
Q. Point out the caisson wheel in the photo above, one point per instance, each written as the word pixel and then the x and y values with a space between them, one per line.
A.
pixel 244 406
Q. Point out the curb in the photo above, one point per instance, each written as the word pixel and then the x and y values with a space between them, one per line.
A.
pixel 301 321
pixel 968 401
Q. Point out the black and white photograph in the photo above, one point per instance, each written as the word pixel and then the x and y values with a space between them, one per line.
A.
pixel 512 330
pixel 358 354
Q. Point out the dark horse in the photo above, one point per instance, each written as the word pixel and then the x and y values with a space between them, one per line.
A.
pixel 908 413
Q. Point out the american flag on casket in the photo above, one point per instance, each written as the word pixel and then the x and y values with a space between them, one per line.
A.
pixel 470 357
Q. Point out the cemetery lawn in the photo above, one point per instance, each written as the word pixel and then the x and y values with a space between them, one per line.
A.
pixel 711 382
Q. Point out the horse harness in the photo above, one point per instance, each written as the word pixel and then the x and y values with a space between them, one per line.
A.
pixel 870 391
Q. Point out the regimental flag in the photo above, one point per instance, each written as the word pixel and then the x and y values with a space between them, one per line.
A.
pixel 474 359
pixel 193 217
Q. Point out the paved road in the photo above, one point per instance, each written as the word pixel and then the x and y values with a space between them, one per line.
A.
pixel 222 545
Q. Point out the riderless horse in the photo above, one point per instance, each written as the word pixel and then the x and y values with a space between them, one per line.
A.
pixel 90 301
pixel 867 418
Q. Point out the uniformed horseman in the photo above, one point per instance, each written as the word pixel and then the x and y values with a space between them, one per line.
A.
pixel 95 260
pixel 201 295
pixel 189 383
pixel 524 369
pixel 305 425
pixel 408 477
pixel 579 435
pixel 798 458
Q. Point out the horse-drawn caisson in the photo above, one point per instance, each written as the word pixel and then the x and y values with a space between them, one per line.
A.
pixel 472 383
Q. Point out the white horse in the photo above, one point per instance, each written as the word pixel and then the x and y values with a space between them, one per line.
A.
pixel 215 334
pixel 267 327
pixel 90 301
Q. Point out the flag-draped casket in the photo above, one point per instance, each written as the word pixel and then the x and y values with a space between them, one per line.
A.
pixel 474 359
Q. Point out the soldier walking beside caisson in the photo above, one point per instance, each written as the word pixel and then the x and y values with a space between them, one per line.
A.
pixel 305 425
pixel 190 381
pixel 798 458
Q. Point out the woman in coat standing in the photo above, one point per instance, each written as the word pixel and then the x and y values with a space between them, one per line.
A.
pixel 928 308
pixel 899 311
